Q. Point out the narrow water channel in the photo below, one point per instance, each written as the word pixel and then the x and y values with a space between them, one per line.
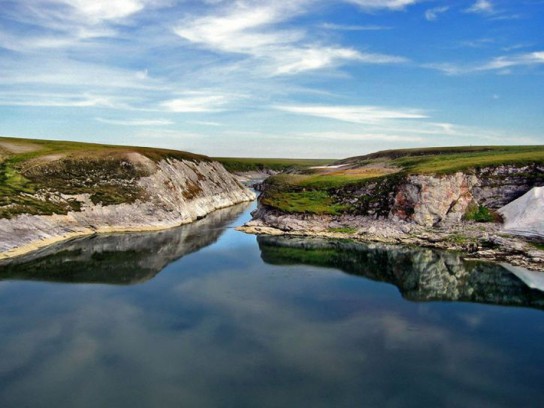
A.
pixel 205 316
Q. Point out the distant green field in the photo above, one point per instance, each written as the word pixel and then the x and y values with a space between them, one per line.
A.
pixel 312 192
pixel 451 159
pixel 29 167
pixel 242 164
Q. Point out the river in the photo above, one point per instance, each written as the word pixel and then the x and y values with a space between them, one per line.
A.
pixel 205 316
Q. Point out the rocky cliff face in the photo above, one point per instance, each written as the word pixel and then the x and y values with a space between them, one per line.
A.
pixel 119 259
pixel 429 200
pixel 172 192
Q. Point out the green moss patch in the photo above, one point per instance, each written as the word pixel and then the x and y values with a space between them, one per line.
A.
pixel 307 202
pixel 479 213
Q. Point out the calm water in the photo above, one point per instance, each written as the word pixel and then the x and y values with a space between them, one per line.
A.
pixel 204 316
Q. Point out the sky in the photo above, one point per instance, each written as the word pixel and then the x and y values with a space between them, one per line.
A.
pixel 256 78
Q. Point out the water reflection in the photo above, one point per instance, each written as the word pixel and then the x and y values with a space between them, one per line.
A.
pixel 419 274
pixel 119 258
pixel 222 328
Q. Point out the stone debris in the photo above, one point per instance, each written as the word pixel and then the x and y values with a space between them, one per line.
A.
pixel 474 240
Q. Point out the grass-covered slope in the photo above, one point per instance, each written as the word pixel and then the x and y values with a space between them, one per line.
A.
pixel 312 191
pixel 247 164
pixel 35 174
pixel 450 159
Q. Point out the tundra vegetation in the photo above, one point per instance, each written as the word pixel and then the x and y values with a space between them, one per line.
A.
pixel 37 175
pixel 315 190
pixel 248 164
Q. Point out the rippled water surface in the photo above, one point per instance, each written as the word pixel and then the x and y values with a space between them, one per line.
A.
pixel 204 316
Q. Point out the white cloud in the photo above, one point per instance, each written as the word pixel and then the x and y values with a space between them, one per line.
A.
pixel 204 123
pixel 251 30
pixel 383 4
pixel 65 72
pixel 432 14
pixel 196 103
pixel 354 114
pixel 96 11
pixel 64 23
pixel 532 58
pixel 344 27
pixel 73 101
pixel 501 64
pixel 136 122
pixel 361 136
pixel 305 59
pixel 481 7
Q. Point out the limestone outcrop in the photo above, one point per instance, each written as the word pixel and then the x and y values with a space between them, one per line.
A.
pixel 174 192
pixel 428 210
pixel 430 200
pixel 119 259
pixel 525 215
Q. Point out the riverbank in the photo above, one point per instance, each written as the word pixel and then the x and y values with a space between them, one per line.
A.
pixel 485 241
pixel 53 191
pixel 35 246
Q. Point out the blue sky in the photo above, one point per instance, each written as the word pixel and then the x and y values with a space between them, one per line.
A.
pixel 299 78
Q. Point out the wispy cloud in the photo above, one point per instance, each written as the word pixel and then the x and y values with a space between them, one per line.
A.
pixel 383 4
pixel 196 102
pixel 347 27
pixel 136 122
pixel 59 23
pixel 481 7
pixel 361 136
pixel 97 11
pixel 432 14
pixel 204 123
pixel 252 30
pixel 496 64
pixel 60 100
pixel 354 114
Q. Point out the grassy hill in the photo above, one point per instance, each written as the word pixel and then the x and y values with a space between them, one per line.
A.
pixel 246 164
pixel 310 190
pixel 34 174
pixel 450 159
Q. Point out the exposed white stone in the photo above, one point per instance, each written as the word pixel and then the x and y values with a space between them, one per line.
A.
pixel 178 192
pixel 525 215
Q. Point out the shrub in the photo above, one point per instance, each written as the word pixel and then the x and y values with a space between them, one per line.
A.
pixel 479 213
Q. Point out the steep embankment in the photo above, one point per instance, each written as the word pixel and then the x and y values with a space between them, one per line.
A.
pixel 52 191
pixel 431 197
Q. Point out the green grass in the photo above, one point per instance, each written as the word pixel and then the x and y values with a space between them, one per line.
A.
pixel 243 164
pixel 320 181
pixel 451 159
pixel 307 202
pixel 324 186
pixel 310 193
pixel 538 245
pixel 343 230
pixel 30 182
pixel 479 214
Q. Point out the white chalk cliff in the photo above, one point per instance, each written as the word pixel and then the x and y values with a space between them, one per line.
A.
pixel 176 192
pixel 525 215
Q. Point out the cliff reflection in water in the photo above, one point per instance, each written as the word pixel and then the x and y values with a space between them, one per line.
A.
pixel 419 274
pixel 119 259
